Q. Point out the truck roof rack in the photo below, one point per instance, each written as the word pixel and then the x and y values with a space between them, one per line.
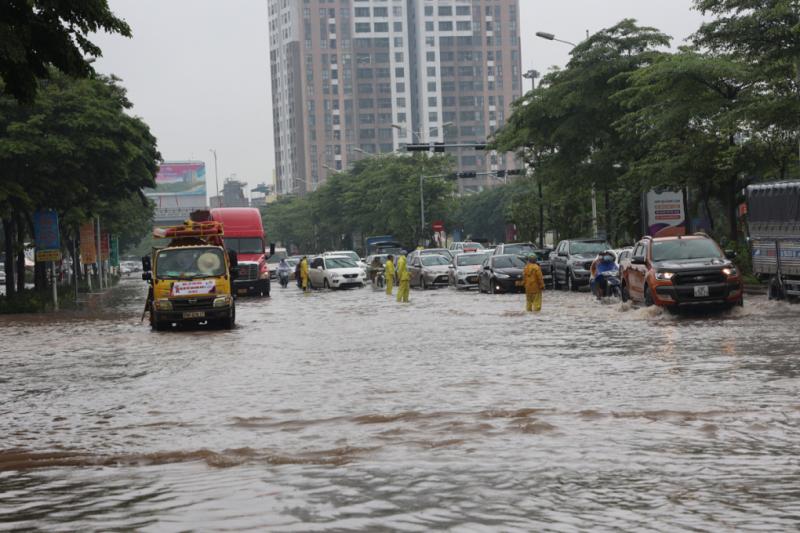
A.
pixel 210 231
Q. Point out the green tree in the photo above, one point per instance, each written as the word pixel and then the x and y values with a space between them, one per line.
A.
pixel 39 34
pixel 76 150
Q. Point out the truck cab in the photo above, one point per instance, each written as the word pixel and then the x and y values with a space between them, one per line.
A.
pixel 191 278
pixel 244 233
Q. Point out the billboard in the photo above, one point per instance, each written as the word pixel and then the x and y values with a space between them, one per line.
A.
pixel 47 236
pixel 664 209
pixel 180 189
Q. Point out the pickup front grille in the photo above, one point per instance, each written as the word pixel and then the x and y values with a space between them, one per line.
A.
pixel 699 278
pixel 351 276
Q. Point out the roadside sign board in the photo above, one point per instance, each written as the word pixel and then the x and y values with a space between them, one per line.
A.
pixel 105 246
pixel 115 251
pixel 46 235
pixel 438 226
pixel 88 248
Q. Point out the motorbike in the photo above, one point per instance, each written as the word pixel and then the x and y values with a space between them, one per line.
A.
pixel 379 280
pixel 283 278
pixel 612 288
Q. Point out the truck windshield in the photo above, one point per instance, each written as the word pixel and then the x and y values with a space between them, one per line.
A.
pixel 685 249
pixel 244 245
pixel 187 263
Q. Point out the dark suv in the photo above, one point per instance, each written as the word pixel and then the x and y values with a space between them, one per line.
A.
pixel 681 271
pixel 572 261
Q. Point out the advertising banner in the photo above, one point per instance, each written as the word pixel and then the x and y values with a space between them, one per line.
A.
pixel 664 209
pixel 105 246
pixel 46 235
pixel 88 248
pixel 191 288
pixel 186 178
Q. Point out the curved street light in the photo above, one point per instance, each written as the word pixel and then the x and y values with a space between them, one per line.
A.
pixel 552 37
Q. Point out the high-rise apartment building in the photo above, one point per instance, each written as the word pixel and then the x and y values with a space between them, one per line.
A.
pixel 351 78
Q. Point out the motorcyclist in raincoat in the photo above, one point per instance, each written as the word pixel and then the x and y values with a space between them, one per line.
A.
pixel 304 273
pixel 405 279
pixel 533 281
pixel 389 274
pixel 284 272
pixel 605 262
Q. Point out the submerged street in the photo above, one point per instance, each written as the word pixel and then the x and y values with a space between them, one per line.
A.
pixel 345 410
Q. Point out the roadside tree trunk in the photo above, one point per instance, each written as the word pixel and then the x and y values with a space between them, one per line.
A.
pixel 20 256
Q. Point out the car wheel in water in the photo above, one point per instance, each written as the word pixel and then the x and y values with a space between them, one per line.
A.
pixel 648 296
pixel 493 286
pixel 556 285
pixel 624 294
pixel 570 282
pixel 325 284
pixel 228 323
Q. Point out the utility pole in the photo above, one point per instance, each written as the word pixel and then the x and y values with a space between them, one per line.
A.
pixel 216 175
pixel 99 257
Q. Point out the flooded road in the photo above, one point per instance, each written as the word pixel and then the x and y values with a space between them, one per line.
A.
pixel 347 411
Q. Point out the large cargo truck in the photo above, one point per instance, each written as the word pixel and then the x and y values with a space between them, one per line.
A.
pixel 773 223
pixel 244 233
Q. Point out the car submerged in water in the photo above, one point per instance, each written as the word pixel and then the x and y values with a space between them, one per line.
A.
pixel 500 273
pixel 681 271
pixel 463 271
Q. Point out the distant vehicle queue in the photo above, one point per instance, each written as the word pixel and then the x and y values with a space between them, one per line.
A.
pixel 672 271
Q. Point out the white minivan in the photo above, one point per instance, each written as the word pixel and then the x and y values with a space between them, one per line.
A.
pixel 335 272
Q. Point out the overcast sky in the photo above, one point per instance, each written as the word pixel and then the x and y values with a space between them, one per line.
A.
pixel 197 71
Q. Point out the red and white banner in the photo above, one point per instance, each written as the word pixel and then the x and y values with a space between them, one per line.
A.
pixel 189 288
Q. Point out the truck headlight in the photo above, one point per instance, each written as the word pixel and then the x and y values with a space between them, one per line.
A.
pixel 163 305
pixel 664 276
pixel 730 271
pixel 222 301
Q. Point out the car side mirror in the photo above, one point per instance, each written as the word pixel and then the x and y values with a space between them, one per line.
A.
pixel 147 276
pixel 563 254
pixel 320 268
pixel 730 254
pixel 637 260
pixel 147 265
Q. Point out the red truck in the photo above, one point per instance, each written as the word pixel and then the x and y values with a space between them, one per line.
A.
pixel 245 234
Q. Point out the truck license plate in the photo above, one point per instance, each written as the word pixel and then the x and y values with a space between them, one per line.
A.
pixel 194 314
pixel 701 291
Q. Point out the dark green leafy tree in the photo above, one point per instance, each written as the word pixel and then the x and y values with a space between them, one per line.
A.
pixel 37 35
pixel 76 150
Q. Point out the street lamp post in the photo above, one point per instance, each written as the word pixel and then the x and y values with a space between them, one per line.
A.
pixel 216 175
pixel 551 37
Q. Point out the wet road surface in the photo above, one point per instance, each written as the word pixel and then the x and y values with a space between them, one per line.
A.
pixel 347 411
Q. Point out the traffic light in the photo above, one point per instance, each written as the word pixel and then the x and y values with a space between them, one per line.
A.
pixel 436 147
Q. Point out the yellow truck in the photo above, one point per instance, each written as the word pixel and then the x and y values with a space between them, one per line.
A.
pixel 190 278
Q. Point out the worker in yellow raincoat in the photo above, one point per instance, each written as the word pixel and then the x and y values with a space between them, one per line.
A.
pixel 388 273
pixel 533 281
pixel 304 273
pixel 405 279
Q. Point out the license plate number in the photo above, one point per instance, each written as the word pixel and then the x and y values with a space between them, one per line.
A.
pixel 701 291
pixel 194 314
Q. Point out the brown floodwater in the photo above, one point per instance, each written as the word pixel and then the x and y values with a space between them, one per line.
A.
pixel 346 411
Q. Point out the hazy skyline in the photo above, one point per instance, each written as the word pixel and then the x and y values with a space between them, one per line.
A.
pixel 197 71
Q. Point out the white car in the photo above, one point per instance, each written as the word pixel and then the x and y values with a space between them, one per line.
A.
pixel 348 253
pixel 465 247
pixel 463 272
pixel 335 272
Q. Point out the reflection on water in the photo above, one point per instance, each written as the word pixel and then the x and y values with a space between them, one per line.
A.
pixel 347 411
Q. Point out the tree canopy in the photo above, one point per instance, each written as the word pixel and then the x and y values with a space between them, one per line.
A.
pixel 40 34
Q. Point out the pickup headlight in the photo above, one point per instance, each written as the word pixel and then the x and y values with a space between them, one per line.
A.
pixel 501 276
pixel 163 305
pixel 664 276
pixel 334 276
pixel 730 271
pixel 222 301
